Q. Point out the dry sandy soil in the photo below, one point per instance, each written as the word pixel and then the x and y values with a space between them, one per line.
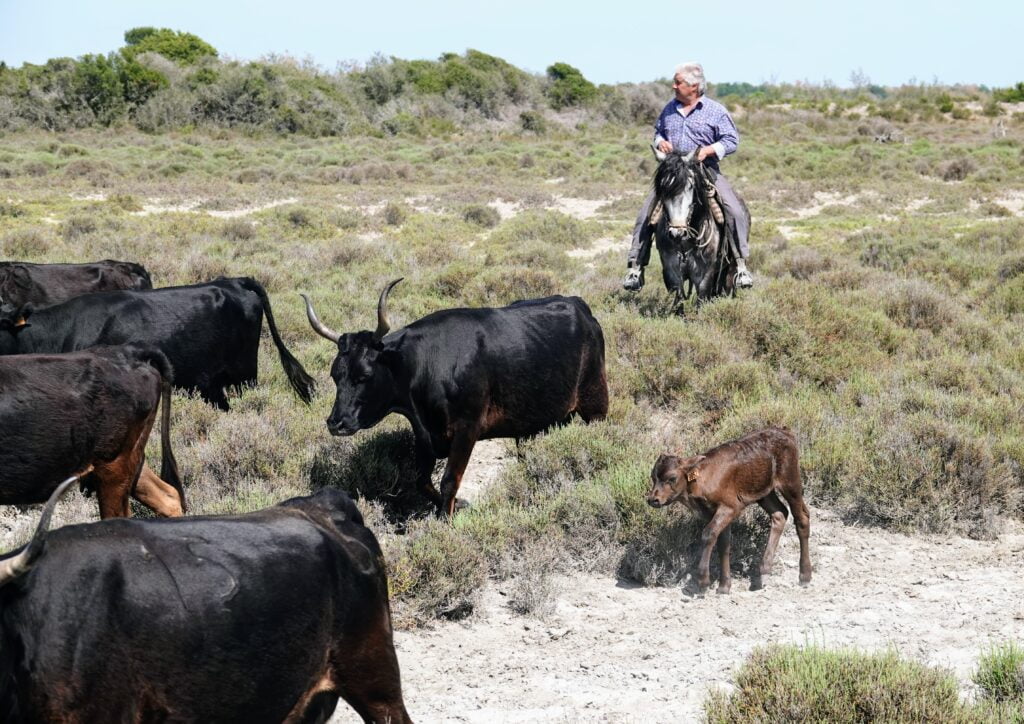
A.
pixel 616 652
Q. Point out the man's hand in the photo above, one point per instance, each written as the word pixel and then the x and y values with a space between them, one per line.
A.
pixel 664 146
pixel 705 151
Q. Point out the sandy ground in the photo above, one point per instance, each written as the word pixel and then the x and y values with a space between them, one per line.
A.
pixel 617 652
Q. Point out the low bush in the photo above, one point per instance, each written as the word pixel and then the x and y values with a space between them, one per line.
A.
pixel 786 683
pixel 481 215
pixel 1000 674
pixel 238 230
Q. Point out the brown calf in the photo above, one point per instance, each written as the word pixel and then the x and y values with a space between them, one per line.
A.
pixel 719 485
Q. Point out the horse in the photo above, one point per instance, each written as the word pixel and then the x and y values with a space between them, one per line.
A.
pixel 698 249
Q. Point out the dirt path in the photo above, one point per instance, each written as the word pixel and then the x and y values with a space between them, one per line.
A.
pixel 619 653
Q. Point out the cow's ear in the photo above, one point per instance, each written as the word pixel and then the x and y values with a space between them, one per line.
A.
pixel 21 317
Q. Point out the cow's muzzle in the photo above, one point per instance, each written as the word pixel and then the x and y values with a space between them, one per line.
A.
pixel 339 429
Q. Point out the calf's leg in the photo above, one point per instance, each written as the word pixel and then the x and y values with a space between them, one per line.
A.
pixel 724 550
pixel 777 512
pixel 721 520
pixel 802 519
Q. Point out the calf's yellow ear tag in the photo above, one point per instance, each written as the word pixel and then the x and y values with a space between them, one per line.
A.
pixel 20 323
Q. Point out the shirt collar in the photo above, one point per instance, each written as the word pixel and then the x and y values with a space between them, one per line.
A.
pixel 679 106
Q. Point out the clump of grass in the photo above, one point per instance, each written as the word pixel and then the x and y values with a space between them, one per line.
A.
pixel 1000 673
pixel 238 230
pixel 300 217
pixel 787 683
pixel 437 572
pixel 957 169
pixel 25 243
pixel 504 285
pixel 533 586
pixel 258 175
pixel 125 202
pixel 35 168
pixel 241 445
pixel 11 211
pixel 394 214
pixel 481 215
pixel 78 226
pixel 97 172
pixel 917 304
pixel 553 228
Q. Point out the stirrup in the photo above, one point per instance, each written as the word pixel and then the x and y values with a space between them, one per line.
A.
pixel 634 279
pixel 744 279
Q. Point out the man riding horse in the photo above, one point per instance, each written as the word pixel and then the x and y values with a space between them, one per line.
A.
pixel 691 122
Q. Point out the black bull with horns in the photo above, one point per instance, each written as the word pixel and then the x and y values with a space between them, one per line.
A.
pixel 697 245
pixel 265 617
pixel 462 375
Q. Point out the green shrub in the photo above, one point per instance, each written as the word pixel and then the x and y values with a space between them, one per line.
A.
pixel 394 214
pixel 533 122
pixel 25 244
pixel 957 169
pixel 11 211
pixel 183 48
pixel 786 683
pixel 437 572
pixel 567 87
pixel 1000 673
pixel 481 215
pixel 78 226
pixel 238 230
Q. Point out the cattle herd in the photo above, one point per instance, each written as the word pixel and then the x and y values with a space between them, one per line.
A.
pixel 273 615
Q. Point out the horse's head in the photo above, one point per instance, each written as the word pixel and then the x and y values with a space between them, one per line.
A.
pixel 675 182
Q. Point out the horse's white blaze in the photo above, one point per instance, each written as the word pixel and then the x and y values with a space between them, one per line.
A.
pixel 678 207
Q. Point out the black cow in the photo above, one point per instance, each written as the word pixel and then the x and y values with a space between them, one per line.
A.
pixel 46 284
pixel 210 332
pixel 265 617
pixel 87 413
pixel 462 375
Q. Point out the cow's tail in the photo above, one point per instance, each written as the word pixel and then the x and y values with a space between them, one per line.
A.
pixel 168 464
pixel 20 564
pixel 300 380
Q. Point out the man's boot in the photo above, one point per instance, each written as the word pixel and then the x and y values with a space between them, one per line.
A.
pixel 634 279
pixel 744 279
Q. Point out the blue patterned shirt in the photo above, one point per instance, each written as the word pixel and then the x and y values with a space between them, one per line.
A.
pixel 709 124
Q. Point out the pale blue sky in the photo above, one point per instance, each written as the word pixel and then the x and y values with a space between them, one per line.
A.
pixel 775 40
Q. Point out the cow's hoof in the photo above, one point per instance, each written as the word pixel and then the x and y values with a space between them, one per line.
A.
pixel 461 504
pixel 723 590
pixel 805 580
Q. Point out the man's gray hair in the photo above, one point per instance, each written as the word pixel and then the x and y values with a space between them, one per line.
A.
pixel 692 73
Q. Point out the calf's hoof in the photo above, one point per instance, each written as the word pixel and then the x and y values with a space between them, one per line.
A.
pixel 805 578
pixel 724 588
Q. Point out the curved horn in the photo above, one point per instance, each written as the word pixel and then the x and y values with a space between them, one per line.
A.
pixel 318 326
pixel 658 153
pixel 382 311
pixel 690 155
pixel 21 563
